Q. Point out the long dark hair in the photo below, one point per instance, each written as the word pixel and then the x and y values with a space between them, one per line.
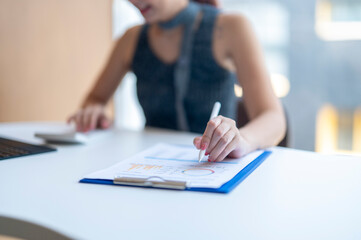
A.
pixel 214 3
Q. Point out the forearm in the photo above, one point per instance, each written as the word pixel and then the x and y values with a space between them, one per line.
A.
pixel 103 89
pixel 265 130
pixel 119 63
pixel 92 98
pixel 108 80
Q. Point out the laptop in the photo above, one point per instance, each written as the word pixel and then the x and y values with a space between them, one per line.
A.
pixel 11 149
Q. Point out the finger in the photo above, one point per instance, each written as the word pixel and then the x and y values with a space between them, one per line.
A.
pixel 197 142
pixel 93 120
pixel 208 133
pixel 77 118
pixel 104 122
pixel 85 119
pixel 70 119
pixel 91 114
pixel 221 145
pixel 218 133
pixel 230 147
pixel 242 148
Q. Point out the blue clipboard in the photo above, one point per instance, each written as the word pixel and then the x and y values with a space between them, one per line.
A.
pixel 225 188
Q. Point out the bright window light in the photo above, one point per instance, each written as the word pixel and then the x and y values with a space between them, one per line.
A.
pixel 336 21
pixel 329 131
pixel 281 85
pixel 238 90
pixel 357 131
pixel 326 129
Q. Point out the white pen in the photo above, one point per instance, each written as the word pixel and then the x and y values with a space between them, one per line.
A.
pixel 215 112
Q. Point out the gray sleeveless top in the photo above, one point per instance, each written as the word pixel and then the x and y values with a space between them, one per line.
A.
pixel 208 82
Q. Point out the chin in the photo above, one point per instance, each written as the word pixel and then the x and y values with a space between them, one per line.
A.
pixel 151 20
pixel 149 14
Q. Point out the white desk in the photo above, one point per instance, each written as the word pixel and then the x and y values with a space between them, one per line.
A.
pixel 292 195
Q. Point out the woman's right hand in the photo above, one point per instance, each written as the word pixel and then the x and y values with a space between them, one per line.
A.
pixel 90 117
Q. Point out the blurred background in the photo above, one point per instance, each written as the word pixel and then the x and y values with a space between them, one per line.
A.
pixel 51 52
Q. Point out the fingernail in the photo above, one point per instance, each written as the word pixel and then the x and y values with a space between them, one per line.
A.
pixel 203 146
pixel 207 153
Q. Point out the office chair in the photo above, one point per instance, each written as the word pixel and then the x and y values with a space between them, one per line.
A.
pixel 18 229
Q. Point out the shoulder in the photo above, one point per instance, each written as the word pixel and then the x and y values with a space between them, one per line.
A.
pixel 233 23
pixel 131 34
pixel 236 31
pixel 126 44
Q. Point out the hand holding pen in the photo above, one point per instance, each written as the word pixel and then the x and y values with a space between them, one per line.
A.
pixel 215 112
pixel 221 138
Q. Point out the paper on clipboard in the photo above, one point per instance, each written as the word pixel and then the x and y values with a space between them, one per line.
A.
pixel 176 163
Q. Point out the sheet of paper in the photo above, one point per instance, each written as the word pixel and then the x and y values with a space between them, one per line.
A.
pixel 177 163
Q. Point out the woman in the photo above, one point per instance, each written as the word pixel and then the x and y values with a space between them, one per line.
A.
pixel 184 58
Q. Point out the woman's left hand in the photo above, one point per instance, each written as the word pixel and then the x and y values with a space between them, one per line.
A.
pixel 221 139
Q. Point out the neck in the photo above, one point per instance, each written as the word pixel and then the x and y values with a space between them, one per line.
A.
pixel 183 17
pixel 174 9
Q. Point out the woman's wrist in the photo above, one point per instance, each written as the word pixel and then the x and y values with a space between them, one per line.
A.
pixel 250 143
pixel 92 100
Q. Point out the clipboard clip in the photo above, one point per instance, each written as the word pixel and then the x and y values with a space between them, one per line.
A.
pixel 150 182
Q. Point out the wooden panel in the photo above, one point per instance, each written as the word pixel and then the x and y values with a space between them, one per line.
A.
pixel 50 53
